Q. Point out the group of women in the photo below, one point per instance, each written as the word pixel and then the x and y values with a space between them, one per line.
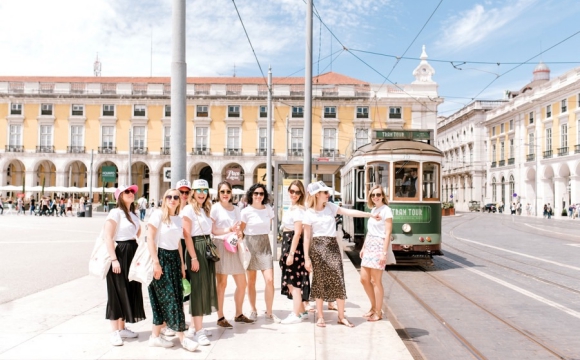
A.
pixel 179 232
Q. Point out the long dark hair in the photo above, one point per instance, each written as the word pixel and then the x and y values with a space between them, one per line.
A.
pixel 229 187
pixel 121 205
pixel 250 194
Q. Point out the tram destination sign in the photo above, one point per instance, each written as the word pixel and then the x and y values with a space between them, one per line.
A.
pixel 403 134
pixel 411 213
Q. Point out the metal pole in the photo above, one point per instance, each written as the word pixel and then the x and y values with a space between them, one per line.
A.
pixel 536 151
pixel 178 95
pixel 269 135
pixel 130 161
pixel 308 98
pixel 90 212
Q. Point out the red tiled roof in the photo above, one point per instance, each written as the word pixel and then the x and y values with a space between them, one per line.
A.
pixel 329 78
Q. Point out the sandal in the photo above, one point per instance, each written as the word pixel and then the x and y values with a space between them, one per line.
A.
pixel 331 307
pixel 345 322
pixel 320 322
pixel 374 317
pixel 369 313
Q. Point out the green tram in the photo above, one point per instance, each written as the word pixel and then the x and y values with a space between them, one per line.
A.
pixel 408 168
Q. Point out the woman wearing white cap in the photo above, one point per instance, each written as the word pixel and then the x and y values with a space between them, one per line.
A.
pixel 125 299
pixel 197 227
pixel 321 251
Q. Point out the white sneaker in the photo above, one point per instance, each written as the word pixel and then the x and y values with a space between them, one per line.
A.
pixel 206 332
pixel 253 316
pixel 126 333
pixel 167 332
pixel 190 332
pixel 272 318
pixel 304 316
pixel 291 319
pixel 201 339
pixel 189 344
pixel 159 342
pixel 116 339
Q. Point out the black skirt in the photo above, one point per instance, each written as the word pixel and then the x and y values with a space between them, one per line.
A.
pixel 295 274
pixel 125 299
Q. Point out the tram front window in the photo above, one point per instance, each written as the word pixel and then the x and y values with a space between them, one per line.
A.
pixel 407 183
pixel 378 174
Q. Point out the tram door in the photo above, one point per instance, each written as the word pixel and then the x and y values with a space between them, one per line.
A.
pixel 359 204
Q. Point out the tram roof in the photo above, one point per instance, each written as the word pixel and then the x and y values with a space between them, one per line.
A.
pixel 398 147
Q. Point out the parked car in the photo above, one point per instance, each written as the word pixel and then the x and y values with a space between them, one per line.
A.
pixel 490 207
pixel 474 205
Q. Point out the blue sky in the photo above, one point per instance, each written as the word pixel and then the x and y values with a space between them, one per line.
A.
pixel 62 38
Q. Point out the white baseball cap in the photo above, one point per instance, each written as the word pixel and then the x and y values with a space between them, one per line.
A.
pixel 315 188
pixel 200 184
pixel 183 183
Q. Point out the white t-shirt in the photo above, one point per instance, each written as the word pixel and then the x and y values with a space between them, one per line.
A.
pixel 322 222
pixel 257 221
pixel 197 220
pixel 126 230
pixel 168 235
pixel 224 218
pixel 376 227
pixel 292 215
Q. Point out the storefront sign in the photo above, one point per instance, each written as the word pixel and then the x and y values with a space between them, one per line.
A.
pixel 234 175
pixel 109 174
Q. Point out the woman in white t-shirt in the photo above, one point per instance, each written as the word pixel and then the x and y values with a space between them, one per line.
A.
pixel 256 223
pixel 323 257
pixel 166 289
pixel 201 272
pixel 125 298
pixel 377 251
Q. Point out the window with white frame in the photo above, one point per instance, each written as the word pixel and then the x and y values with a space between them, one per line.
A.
pixel 76 135
pixel 139 137
pixel 564 105
pixel 108 110
pixel 167 137
pixel 493 131
pixel 511 125
pixel 463 154
pixel 549 111
pixel 167 111
pixel 46 109
pixel 502 128
pixel 108 136
pixel 362 112
pixel 15 109
pixel 531 117
pixel 262 139
pixel 233 138
pixel 578 135
pixel 263 111
pixel 202 111
pixel 297 111
pixel 45 135
pixel 493 153
pixel 297 138
pixel 548 139
pixel 564 136
pixel 531 143
pixel 234 111
pixel 201 138
pixel 15 135
pixel 394 112
pixel 139 110
pixel 330 112
pixel 501 151
pixel 329 139
pixel 511 155
pixel 471 155
pixel 77 110
pixel 362 137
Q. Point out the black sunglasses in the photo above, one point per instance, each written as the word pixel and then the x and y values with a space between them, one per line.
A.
pixel 376 195
pixel 175 197
pixel 225 191
pixel 129 191
pixel 297 192
pixel 258 193
pixel 186 192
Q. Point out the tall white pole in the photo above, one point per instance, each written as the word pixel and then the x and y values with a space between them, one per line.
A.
pixel 129 175
pixel 178 93
pixel 537 154
pixel 269 135
pixel 308 97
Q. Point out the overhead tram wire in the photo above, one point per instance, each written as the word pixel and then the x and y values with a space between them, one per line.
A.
pixel 249 41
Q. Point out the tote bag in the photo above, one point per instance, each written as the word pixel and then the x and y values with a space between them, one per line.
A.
pixel 100 261
pixel 141 268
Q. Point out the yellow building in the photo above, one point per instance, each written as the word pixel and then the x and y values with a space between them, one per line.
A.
pixel 49 126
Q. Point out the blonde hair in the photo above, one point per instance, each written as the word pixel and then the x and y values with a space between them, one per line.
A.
pixel 206 206
pixel 165 216
pixel 370 202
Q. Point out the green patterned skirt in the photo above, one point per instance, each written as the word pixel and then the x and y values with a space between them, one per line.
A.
pixel 166 294
pixel 203 298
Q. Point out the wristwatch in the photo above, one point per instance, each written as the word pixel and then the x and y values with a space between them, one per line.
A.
pixel 384 253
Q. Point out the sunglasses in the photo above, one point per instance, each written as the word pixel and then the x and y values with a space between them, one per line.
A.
pixel 325 192
pixel 175 197
pixel 186 192
pixel 295 192
pixel 258 193
pixel 376 195
pixel 199 191
pixel 129 191
pixel 225 191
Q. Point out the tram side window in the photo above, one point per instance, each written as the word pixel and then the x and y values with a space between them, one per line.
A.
pixel 431 181
pixel 406 179
pixel 378 174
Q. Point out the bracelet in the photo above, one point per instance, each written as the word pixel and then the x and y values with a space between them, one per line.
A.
pixel 194 258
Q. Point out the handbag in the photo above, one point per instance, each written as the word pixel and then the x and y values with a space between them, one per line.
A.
pixel 100 260
pixel 244 255
pixel 211 252
pixel 141 268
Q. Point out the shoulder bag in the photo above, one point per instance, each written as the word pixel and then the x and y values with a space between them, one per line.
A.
pixel 100 261
pixel 211 251
pixel 141 268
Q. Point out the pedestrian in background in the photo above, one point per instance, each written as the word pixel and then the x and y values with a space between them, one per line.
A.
pixel 124 297
pixel 256 224
pixel 32 205
pixel 1 206
pixel 201 272
pixel 105 204
pixel 20 206
pixel 165 291
pixel 529 209
pixel 142 204
pixel 226 221
pixel 377 251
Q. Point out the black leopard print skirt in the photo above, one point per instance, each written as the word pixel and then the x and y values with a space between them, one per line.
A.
pixel 328 273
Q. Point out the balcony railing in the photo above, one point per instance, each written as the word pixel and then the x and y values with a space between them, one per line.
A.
pixel 511 161
pixel 14 148
pixel 501 163
pixel 200 151
pixel 494 164
pixel 295 152
pixel 530 157
pixel 563 151
pixel 165 151
pixel 107 149
pixel 263 152
pixel 547 154
pixel 362 115
pixel 394 116
pixel 75 149
pixel 576 149
pixel 139 150
pixel 45 149
pixel 233 152
pixel 329 152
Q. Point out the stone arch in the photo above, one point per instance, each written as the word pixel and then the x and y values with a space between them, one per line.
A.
pixel 44 173
pixel 202 170
pixel 99 170
pixel 140 172
pixel 14 172
pixel 563 170
pixel 259 172
pixel 234 173
pixel 75 174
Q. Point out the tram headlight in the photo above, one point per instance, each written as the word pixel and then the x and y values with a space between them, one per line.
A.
pixel 406 228
pixel 428 238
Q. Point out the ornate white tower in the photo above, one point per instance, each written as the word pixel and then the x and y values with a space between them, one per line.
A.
pixel 97 66
pixel 424 72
